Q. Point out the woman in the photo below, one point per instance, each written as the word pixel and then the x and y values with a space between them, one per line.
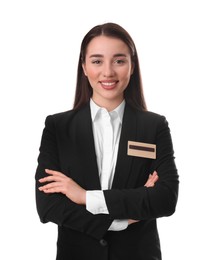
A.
pixel 106 168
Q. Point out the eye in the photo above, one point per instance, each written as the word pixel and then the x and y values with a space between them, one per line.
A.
pixel 96 62
pixel 120 61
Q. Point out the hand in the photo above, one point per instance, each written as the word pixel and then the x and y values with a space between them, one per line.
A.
pixel 152 180
pixel 132 221
pixel 60 183
pixel 150 183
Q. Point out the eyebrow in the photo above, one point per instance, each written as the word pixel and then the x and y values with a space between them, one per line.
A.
pixel 101 56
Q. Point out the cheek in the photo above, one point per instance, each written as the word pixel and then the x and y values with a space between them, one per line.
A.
pixel 92 74
pixel 92 77
pixel 126 75
pixel 89 71
pixel 125 79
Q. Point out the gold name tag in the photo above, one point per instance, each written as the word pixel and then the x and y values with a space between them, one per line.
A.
pixel 144 150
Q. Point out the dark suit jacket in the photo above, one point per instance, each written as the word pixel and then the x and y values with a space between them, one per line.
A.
pixel 67 145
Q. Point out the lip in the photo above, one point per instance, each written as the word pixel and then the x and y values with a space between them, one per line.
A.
pixel 108 84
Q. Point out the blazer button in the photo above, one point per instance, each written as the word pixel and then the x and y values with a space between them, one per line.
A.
pixel 103 242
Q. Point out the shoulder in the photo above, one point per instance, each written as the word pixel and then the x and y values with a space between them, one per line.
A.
pixel 149 120
pixel 62 118
pixel 150 116
pixel 152 122
pixel 146 116
pixel 61 115
pixel 151 125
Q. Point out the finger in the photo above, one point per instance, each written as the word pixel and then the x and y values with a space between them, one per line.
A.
pixel 52 172
pixel 152 180
pixel 155 178
pixel 53 185
pixel 154 173
pixel 148 184
pixel 52 190
pixel 50 178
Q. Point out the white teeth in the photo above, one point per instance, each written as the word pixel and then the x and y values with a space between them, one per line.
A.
pixel 108 83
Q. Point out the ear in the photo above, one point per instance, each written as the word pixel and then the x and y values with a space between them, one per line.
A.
pixel 84 69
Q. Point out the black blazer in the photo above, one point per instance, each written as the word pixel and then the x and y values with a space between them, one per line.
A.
pixel 67 145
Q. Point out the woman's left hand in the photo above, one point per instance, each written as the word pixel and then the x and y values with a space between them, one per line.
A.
pixel 60 183
pixel 153 178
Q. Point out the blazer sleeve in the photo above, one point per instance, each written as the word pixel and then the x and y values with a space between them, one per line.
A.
pixel 57 208
pixel 146 203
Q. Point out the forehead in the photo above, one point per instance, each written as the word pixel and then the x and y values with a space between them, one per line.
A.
pixel 104 45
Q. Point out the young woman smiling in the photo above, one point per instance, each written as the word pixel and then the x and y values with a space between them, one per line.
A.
pixel 106 168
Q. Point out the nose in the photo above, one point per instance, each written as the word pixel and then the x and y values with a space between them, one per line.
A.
pixel 108 70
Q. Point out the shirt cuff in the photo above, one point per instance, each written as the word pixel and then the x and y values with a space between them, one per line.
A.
pixel 119 225
pixel 95 202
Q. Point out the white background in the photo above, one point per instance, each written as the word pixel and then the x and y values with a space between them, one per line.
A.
pixel 39 47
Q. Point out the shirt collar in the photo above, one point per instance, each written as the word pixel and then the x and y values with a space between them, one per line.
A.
pixel 119 110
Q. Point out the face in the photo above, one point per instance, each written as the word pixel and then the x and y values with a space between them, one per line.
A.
pixel 108 67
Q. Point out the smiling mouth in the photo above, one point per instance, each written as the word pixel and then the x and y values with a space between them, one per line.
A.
pixel 108 85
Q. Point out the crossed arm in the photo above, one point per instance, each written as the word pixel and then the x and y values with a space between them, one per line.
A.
pixel 57 182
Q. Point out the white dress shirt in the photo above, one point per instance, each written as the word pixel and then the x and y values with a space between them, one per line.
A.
pixel 106 131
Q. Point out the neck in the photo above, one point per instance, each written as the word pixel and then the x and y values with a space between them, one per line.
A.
pixel 108 104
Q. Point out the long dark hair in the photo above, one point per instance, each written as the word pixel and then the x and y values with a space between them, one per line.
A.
pixel 133 94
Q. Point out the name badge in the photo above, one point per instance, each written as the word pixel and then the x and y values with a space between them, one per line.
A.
pixel 144 150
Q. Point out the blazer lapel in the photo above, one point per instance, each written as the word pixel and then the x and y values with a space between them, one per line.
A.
pixel 85 141
pixel 128 132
